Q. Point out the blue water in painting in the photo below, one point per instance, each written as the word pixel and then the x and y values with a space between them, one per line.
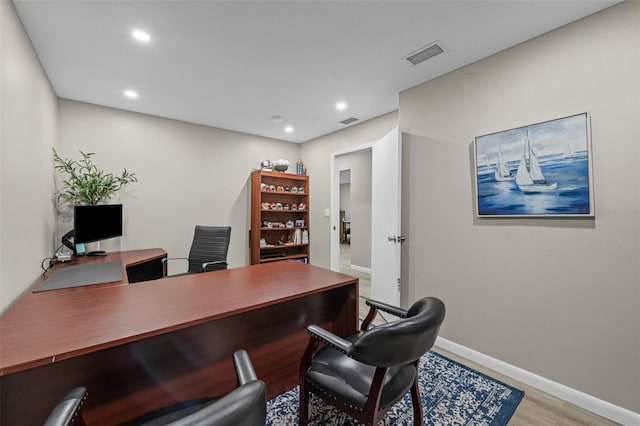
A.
pixel 571 196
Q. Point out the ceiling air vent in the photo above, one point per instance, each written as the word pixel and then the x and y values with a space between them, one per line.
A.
pixel 349 120
pixel 425 53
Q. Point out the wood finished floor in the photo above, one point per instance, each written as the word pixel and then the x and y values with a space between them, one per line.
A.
pixel 536 408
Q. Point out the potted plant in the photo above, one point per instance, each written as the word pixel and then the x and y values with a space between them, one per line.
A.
pixel 86 184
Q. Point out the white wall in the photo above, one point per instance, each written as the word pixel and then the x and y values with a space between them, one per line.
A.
pixel 559 298
pixel 28 132
pixel 188 174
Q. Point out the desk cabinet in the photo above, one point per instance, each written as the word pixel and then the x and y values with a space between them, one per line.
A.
pixel 152 269
pixel 279 217
pixel 140 347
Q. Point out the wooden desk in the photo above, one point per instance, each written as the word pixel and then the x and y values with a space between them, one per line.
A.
pixel 141 346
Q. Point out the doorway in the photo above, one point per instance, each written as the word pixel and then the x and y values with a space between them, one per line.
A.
pixel 384 227
pixel 355 219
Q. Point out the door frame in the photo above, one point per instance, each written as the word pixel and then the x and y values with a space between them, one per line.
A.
pixel 334 244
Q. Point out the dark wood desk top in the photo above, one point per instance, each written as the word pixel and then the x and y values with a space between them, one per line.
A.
pixel 50 326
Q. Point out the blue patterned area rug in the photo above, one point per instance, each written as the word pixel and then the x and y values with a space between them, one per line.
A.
pixel 452 394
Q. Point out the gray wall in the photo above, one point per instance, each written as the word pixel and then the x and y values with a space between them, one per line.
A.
pixel 28 131
pixel 559 298
pixel 573 319
pixel 188 174
pixel 360 165
pixel 316 154
pixel 345 199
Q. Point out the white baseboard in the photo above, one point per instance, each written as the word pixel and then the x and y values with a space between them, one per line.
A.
pixel 581 399
pixel 360 269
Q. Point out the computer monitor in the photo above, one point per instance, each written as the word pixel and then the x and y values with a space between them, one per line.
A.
pixel 95 223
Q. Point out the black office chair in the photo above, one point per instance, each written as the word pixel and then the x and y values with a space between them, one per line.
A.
pixel 246 405
pixel 67 411
pixel 208 250
pixel 366 373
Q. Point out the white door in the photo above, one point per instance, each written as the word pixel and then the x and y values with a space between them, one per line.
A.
pixel 385 218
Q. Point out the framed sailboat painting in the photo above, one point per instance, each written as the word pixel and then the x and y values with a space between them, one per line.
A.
pixel 542 169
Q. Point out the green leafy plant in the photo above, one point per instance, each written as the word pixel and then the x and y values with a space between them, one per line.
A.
pixel 85 183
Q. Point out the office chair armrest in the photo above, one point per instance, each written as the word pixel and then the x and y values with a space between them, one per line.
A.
pixel 68 409
pixel 327 337
pixel 244 368
pixel 205 265
pixel 384 307
pixel 380 306
pixel 165 259
pixel 165 262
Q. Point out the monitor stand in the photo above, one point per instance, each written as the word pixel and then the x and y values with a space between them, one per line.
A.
pixel 97 252
pixel 67 240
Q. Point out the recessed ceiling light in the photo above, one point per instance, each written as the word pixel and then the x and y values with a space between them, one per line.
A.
pixel 130 94
pixel 288 129
pixel 141 35
pixel 341 106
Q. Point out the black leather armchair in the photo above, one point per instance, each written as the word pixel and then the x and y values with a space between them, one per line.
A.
pixel 244 406
pixel 365 374
pixel 67 411
pixel 208 250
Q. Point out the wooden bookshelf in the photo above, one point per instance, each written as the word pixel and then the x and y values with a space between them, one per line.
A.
pixel 279 217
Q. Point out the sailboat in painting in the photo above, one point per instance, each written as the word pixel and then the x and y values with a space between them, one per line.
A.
pixel 529 177
pixel 502 172
pixel 569 152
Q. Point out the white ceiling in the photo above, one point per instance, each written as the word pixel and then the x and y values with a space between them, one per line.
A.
pixel 236 64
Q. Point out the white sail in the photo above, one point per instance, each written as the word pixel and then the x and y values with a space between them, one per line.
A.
pixel 529 177
pixel 522 175
pixel 534 167
pixel 502 172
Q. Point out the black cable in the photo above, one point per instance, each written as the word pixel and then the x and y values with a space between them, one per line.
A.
pixel 51 263
pixel 52 260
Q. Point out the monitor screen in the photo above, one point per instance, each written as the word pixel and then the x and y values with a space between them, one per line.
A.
pixel 95 223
